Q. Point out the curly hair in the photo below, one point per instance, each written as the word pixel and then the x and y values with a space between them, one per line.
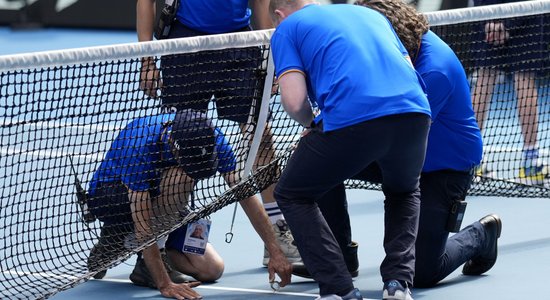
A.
pixel 406 21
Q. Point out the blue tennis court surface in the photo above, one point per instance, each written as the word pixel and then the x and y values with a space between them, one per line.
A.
pixel 522 262
pixel 521 271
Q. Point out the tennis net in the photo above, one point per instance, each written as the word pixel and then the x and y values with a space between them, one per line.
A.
pixel 76 126
pixel 510 87
pixel 62 110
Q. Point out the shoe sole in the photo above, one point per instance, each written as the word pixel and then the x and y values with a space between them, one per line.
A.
pixel 405 296
pixel 466 270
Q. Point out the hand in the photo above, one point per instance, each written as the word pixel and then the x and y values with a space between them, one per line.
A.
pixel 280 265
pixel 495 33
pixel 182 291
pixel 149 78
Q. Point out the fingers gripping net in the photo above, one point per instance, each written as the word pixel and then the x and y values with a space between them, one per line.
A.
pixel 107 112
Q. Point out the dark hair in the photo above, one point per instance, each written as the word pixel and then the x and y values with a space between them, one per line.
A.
pixel 406 21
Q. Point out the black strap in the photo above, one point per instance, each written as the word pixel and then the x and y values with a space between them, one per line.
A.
pixel 82 197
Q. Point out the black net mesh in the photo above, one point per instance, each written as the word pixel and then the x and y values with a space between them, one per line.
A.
pixel 60 122
pixel 510 86
pixel 92 124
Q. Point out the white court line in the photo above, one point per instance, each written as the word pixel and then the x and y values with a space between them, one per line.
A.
pixel 59 124
pixel 7 151
pixel 204 287
pixel 223 288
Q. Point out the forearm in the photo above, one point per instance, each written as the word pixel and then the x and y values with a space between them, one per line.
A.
pixel 154 263
pixel 140 203
pixel 145 18
pixel 260 14
pixel 260 221
pixel 294 97
pixel 304 115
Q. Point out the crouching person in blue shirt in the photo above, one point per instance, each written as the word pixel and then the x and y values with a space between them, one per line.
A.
pixel 143 185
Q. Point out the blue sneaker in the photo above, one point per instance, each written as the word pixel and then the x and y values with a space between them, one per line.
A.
pixel 394 290
pixel 533 175
pixel 533 170
pixel 355 294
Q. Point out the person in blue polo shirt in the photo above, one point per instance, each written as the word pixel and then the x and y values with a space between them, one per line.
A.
pixel 454 150
pixel 350 63
pixel 228 77
pixel 144 182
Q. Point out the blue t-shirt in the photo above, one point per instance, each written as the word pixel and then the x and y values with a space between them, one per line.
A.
pixel 214 16
pixel 135 157
pixel 354 63
pixel 454 141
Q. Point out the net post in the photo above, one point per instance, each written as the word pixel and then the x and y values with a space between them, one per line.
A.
pixel 262 119
pixel 258 133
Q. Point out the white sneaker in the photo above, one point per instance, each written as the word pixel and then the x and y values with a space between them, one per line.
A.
pixel 286 242
pixel 393 290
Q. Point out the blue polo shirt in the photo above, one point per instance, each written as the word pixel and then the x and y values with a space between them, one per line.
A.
pixel 454 141
pixel 134 156
pixel 354 63
pixel 214 16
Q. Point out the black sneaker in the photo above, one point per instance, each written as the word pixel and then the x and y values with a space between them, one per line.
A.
pixel 142 277
pixel 300 270
pixel 394 290
pixel 109 247
pixel 487 259
pixel 351 259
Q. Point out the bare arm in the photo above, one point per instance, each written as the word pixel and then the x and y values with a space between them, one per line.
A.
pixel 496 33
pixel 260 221
pixel 145 19
pixel 260 14
pixel 294 97
pixel 140 204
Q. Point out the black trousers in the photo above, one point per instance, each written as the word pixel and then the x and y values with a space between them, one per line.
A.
pixel 323 160
pixel 437 255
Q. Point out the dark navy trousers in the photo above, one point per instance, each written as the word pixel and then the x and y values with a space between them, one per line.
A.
pixel 437 255
pixel 323 160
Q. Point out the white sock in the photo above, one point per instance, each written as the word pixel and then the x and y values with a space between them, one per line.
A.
pixel 273 212
pixel 161 243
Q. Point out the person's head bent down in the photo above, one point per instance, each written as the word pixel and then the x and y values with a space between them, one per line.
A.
pixel 192 140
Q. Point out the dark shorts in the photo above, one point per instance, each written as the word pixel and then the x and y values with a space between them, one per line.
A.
pixel 230 75
pixel 110 204
pixel 176 238
pixel 523 51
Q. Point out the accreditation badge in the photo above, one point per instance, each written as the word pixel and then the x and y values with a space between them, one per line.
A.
pixel 196 237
